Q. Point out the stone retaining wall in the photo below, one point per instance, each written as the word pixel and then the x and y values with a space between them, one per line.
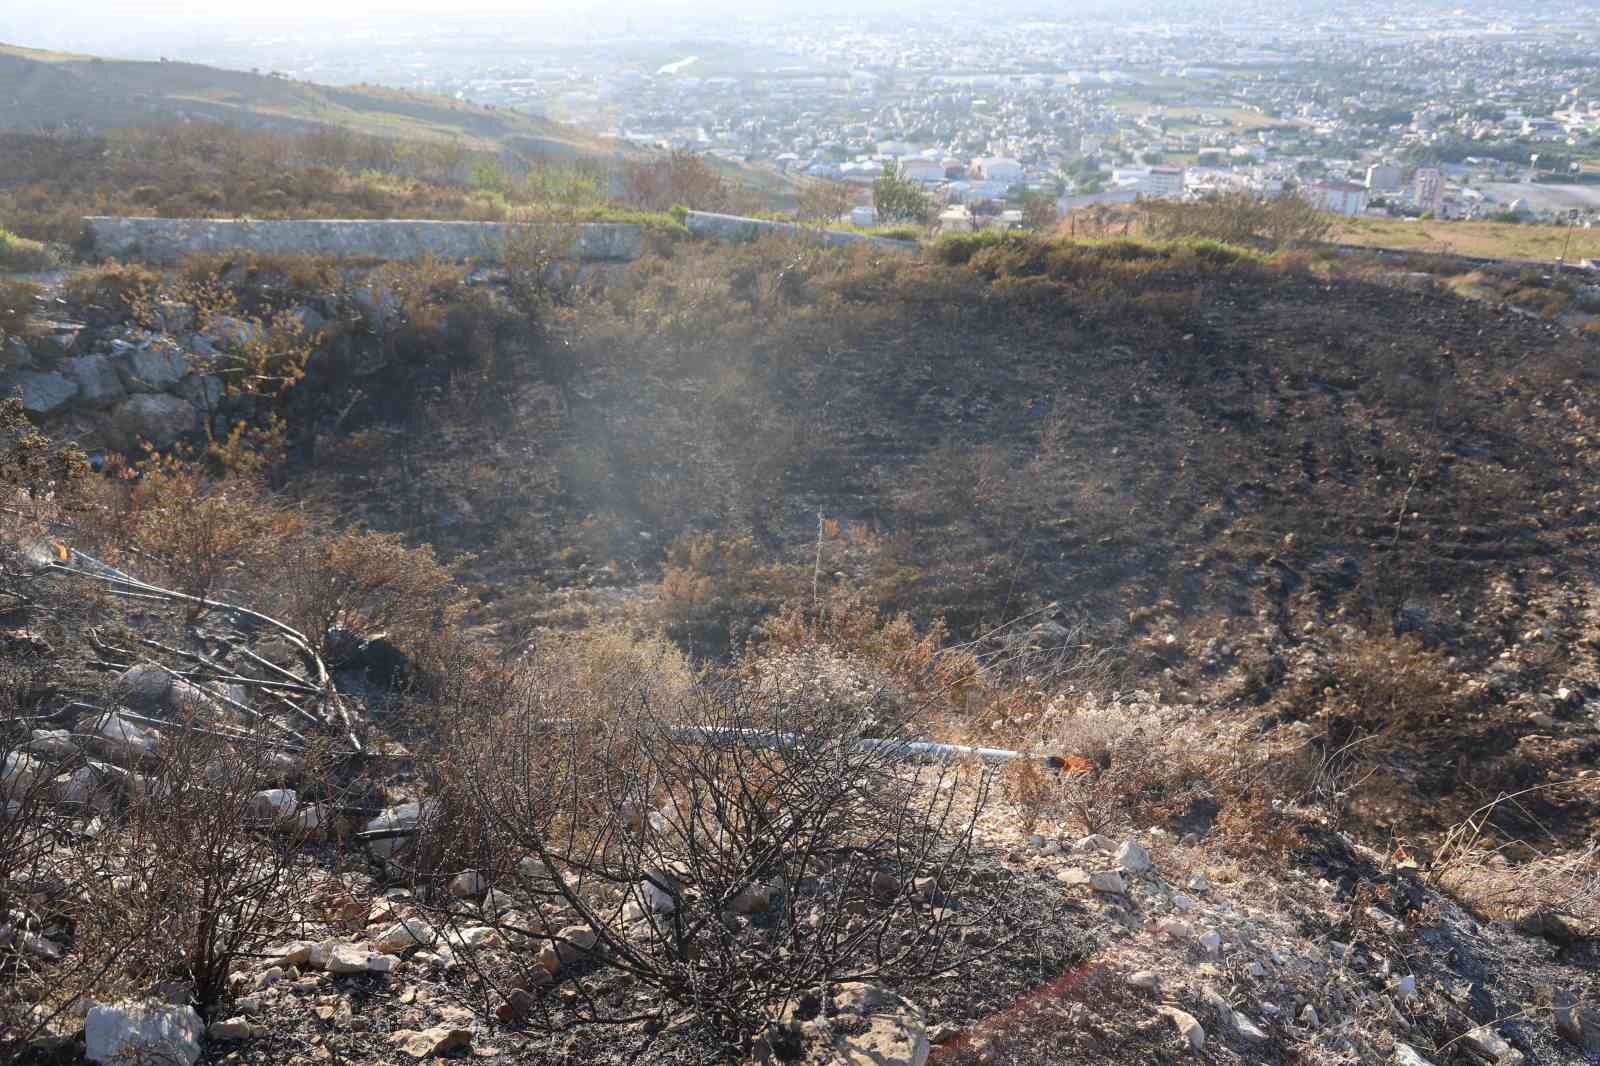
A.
pixel 166 240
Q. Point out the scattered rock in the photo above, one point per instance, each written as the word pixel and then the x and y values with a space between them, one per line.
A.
pixel 274 804
pixel 754 899
pixel 409 933
pixel 479 936
pixel 232 1029
pixel 518 1005
pixel 1187 1025
pixel 1145 981
pixel 1093 842
pixel 1488 1044
pixel 1133 857
pixel 440 1040
pixel 205 391
pixel 1211 940
pixel 570 944
pixel 294 953
pixel 1406 1055
pixel 1108 881
pixel 118 738
pixel 142 1031
pixel 54 743
pixel 1174 929
pixel 495 903
pixel 468 884
pixel 400 820
pixel 339 957
pixel 1072 876
pixel 876 1027
pixel 230 333
pixel 383 963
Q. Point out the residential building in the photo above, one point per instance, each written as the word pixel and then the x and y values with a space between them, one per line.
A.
pixel 998 168
pixel 930 171
pixel 1337 197
pixel 1427 189
pixel 1383 177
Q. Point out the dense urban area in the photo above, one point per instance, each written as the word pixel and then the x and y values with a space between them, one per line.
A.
pixel 1481 111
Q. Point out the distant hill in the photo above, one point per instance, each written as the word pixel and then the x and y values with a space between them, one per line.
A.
pixel 54 91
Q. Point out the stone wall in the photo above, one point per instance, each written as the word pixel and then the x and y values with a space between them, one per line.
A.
pixel 166 240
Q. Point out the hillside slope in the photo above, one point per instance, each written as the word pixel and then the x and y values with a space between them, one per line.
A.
pixel 1283 568
pixel 48 90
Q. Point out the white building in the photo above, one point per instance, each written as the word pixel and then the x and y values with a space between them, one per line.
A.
pixel 1156 182
pixel 1338 197
pixel 1165 181
pixel 930 171
pixel 998 168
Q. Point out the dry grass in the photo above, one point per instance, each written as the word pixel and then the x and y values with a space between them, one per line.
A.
pixel 1492 240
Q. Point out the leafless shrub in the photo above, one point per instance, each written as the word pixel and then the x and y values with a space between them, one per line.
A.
pixel 730 851
pixel 199 868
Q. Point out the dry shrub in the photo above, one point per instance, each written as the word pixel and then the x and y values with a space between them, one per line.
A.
pixel 113 292
pixel 202 531
pixel 367 583
pixel 34 465
pixel 1518 880
pixel 1111 762
pixel 1237 218
pixel 846 652
pixel 1391 686
pixel 731 850
pixel 196 874
pixel 18 300
pixel 680 178
pixel 715 590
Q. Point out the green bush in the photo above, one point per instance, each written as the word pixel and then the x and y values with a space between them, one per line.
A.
pixel 20 254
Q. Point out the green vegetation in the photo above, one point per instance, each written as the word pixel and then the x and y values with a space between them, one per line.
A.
pixel 1000 253
pixel 19 255
pixel 899 199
